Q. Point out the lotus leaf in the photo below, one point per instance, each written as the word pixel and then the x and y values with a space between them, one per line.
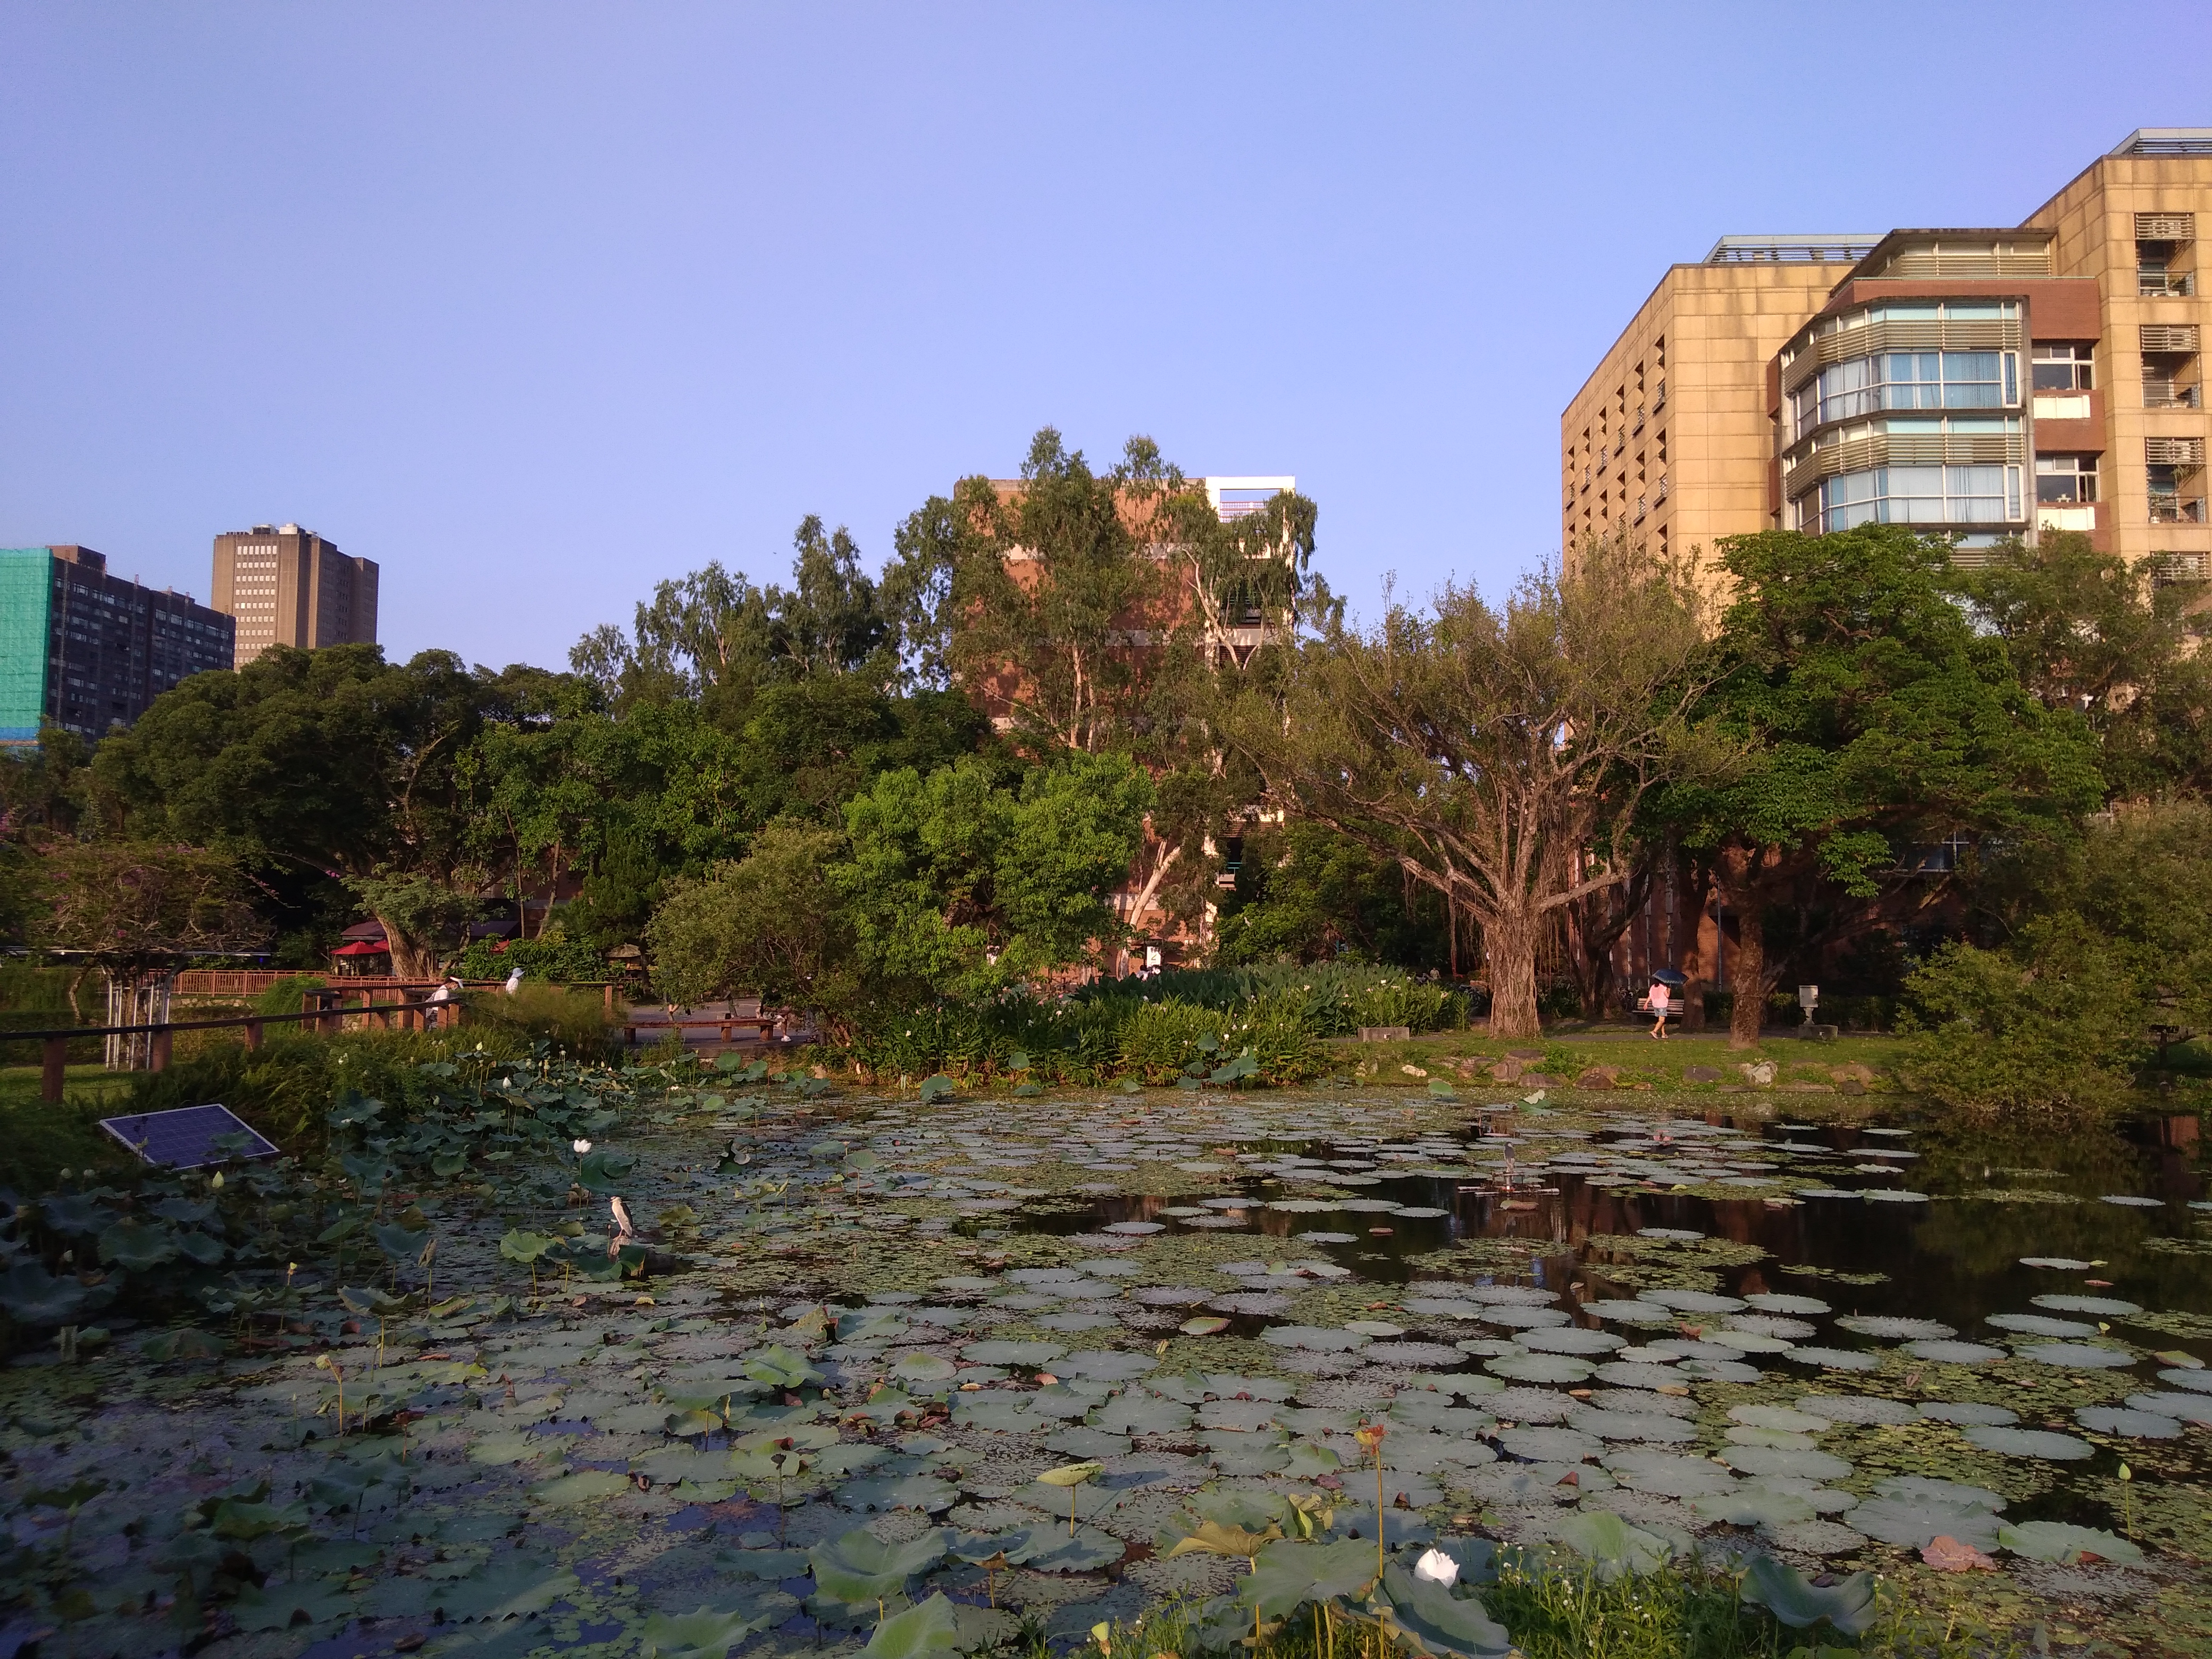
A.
pixel 2056 1540
pixel 32 1296
pixel 1797 1602
pixel 2104 1307
pixel 1964 1412
pixel 2123 1421
pixel 236 1518
pixel 1012 1354
pixel 136 1247
pixel 1049 1549
pixel 2028 1442
pixel 711 1632
pixel 933 1627
pixel 1911 1522
pixel 282 1606
pixel 1441 1622
pixel 605 1172
pixel 1750 1504
pixel 925 1492
pixel 779 1367
pixel 1139 1411
pixel 858 1566
pixel 584 1486
pixel 1856 1408
pixel 1612 1545
pixel 1290 1572
pixel 507 1590
pixel 1805 1465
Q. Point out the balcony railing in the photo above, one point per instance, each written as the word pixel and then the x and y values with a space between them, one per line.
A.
pixel 2164 284
pixel 1660 493
pixel 2164 394
pixel 2172 507
pixel 1639 425
pixel 1659 396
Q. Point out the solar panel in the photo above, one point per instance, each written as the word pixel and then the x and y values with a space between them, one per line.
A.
pixel 187 1137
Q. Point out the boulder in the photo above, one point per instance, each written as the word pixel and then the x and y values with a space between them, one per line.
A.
pixel 1507 1071
pixel 1851 1086
pixel 1701 1075
pixel 1758 1073
pixel 1851 1074
pixel 1599 1077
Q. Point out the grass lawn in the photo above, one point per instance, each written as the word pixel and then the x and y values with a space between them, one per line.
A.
pixel 1799 1066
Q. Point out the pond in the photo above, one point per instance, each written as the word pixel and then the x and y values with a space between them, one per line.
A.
pixel 871 1327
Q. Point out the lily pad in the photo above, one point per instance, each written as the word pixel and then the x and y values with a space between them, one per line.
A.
pixel 2077 1356
pixel 2125 1421
pixel 2104 1307
pixel 2056 1540
pixel 1539 1367
pixel 2029 1443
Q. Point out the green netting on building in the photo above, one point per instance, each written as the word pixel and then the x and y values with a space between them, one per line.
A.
pixel 26 596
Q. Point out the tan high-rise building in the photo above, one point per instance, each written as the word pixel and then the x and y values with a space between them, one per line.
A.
pixel 286 585
pixel 1983 383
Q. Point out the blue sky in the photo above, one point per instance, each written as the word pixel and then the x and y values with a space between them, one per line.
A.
pixel 537 304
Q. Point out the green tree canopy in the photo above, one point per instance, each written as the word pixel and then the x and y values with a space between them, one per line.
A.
pixel 1484 750
pixel 318 765
pixel 955 885
pixel 1877 734
pixel 716 636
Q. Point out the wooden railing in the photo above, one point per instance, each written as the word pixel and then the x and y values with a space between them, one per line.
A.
pixel 54 1044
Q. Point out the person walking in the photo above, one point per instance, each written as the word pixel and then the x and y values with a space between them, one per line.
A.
pixel 1658 1003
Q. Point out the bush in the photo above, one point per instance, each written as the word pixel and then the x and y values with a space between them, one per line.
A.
pixel 283 996
pixel 574 1020
pixel 2056 1035
pixel 1159 1041
pixel 556 960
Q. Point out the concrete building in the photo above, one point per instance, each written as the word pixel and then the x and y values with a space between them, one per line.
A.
pixel 86 651
pixel 286 585
pixel 1985 382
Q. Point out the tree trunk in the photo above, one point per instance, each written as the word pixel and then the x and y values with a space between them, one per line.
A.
pixel 412 958
pixel 1510 940
pixel 1752 978
pixel 1693 882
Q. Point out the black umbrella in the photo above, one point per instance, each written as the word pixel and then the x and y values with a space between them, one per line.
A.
pixel 1671 976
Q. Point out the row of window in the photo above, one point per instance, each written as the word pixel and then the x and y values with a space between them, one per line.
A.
pixel 1981 495
pixel 1918 495
pixel 1906 379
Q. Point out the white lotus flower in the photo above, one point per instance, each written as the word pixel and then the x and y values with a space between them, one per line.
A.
pixel 1437 1567
pixel 581 1147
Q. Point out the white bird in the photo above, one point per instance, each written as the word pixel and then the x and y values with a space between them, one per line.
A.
pixel 515 981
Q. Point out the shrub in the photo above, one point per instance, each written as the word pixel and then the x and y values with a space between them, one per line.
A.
pixel 2057 1033
pixel 283 996
pixel 1160 1041
pixel 557 960
pixel 575 1020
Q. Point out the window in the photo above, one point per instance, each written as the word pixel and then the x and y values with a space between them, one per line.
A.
pixel 2065 478
pixel 1907 379
pixel 2065 368
pixel 1920 494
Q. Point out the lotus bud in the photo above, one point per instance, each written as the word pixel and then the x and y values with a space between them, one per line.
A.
pixel 581 1147
pixel 1437 1567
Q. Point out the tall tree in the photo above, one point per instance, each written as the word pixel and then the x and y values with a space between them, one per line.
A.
pixel 1877 734
pixel 1481 748
pixel 2091 633
pixel 716 636
pixel 323 765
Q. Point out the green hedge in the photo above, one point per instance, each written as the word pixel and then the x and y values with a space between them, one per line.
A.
pixel 557 960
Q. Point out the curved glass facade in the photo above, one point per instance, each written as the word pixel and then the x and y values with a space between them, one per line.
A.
pixel 1917 495
pixel 1906 379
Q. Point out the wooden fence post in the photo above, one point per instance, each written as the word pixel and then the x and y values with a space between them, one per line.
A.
pixel 53 1070
pixel 158 1050
pixel 252 1035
